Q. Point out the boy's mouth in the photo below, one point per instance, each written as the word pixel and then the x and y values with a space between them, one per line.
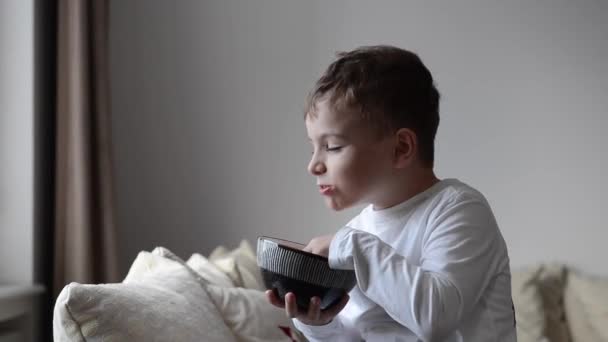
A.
pixel 326 189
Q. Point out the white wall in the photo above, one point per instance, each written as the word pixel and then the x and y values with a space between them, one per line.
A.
pixel 16 141
pixel 210 144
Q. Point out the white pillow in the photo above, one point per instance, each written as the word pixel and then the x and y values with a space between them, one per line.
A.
pixel 529 312
pixel 246 311
pixel 586 301
pixel 209 271
pixel 251 318
pixel 158 301
pixel 240 265
pixel 147 262
pixel 552 281
pixel 538 299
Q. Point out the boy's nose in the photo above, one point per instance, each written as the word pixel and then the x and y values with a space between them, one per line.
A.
pixel 316 168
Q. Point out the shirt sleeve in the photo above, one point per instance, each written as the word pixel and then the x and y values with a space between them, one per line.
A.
pixel 459 252
pixel 336 330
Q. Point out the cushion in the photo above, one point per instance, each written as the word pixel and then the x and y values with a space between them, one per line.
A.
pixel 528 302
pixel 586 303
pixel 551 281
pixel 246 311
pixel 251 318
pixel 240 265
pixel 147 262
pixel 538 299
pixel 158 301
pixel 209 271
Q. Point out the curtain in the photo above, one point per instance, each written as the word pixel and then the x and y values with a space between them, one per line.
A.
pixel 84 236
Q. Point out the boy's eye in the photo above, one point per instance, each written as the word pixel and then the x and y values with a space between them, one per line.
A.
pixel 332 148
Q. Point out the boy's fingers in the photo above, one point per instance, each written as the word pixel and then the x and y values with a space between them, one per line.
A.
pixel 333 311
pixel 314 309
pixel 272 298
pixel 314 313
pixel 291 307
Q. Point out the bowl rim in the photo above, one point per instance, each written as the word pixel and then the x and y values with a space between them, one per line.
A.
pixel 277 241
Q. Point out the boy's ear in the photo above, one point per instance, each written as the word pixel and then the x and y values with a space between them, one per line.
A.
pixel 405 147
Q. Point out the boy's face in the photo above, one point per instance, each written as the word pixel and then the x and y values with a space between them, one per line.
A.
pixel 352 165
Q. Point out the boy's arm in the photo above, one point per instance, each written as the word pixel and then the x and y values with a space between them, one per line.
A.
pixel 456 262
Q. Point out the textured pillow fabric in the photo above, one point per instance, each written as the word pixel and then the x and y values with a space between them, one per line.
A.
pixel 551 281
pixel 586 302
pixel 164 298
pixel 251 318
pixel 240 265
pixel 209 271
pixel 246 311
pixel 538 297
pixel 528 302
pixel 158 301
pixel 147 262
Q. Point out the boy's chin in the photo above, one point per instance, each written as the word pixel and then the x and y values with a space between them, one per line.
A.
pixel 336 206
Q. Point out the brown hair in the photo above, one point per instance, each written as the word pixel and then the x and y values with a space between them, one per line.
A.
pixel 389 86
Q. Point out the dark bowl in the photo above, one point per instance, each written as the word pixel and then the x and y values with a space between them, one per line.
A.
pixel 285 267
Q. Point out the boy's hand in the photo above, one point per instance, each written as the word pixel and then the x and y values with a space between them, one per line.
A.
pixel 314 316
pixel 319 245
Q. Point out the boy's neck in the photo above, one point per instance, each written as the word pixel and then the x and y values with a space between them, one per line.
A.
pixel 407 187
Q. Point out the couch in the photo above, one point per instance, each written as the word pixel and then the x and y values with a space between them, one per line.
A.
pixel 220 298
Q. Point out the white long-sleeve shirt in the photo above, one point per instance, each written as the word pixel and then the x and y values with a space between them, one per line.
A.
pixel 433 268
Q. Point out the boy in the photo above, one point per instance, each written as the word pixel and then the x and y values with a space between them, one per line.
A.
pixel 430 261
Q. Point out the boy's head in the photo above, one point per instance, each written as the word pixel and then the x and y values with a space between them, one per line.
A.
pixel 371 103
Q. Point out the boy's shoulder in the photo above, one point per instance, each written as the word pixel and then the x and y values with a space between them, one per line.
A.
pixel 443 195
pixel 453 191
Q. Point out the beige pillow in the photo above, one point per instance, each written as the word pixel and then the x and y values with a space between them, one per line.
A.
pixel 251 318
pixel 552 281
pixel 158 301
pixel 586 302
pixel 245 311
pixel 148 262
pixel 528 302
pixel 209 271
pixel 240 265
pixel 538 299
